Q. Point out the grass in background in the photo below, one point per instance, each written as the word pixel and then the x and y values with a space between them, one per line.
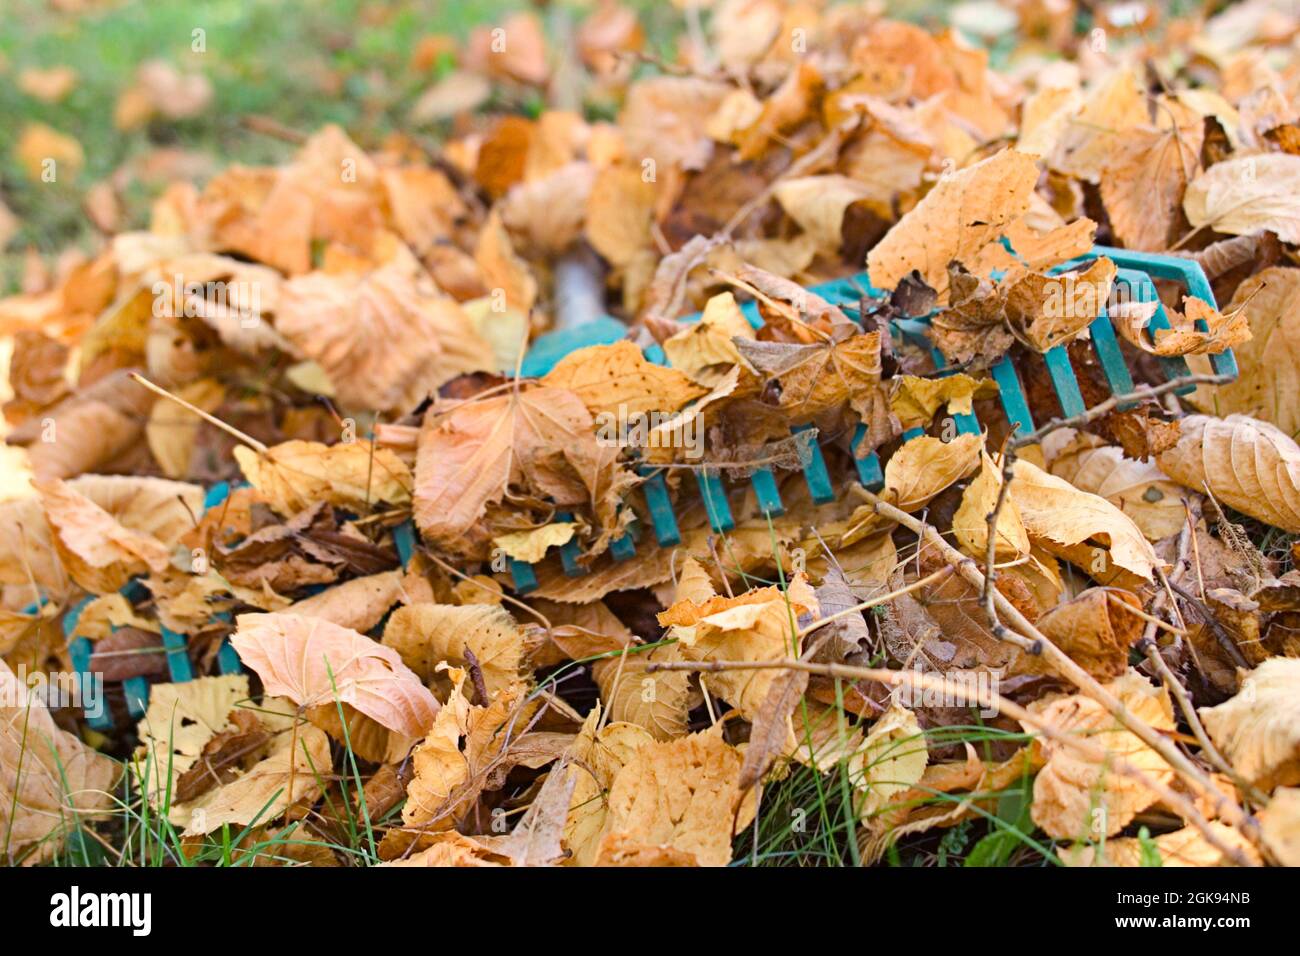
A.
pixel 278 58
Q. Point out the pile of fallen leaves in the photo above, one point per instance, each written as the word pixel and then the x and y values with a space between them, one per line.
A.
pixel 338 338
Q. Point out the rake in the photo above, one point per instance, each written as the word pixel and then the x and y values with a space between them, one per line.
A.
pixel 1136 271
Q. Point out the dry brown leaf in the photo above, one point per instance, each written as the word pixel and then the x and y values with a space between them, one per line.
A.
pixel 1094 630
pixel 1270 361
pixel 1084 529
pixel 1258 730
pixel 358 604
pixel 1245 194
pixel 426 635
pixel 541 439
pixel 439 766
pixel 1076 798
pixel 322 666
pixel 294 475
pixel 960 216
pixel 660 701
pixel 756 625
pixel 502 268
pixel 99 553
pixel 1245 463
pixel 665 119
pixel 616 380
pixel 1139 489
pixel 90 429
pixel 384 341
pixel 1114 107
pixel 978 502
pixel 1046 311
pixel 52 781
pixel 1223 330
pixel 819 378
pixel 1142 184
pixel 682 794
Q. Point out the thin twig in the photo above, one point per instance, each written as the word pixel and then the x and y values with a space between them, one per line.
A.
pixel 1034 640
pixel 1210 751
pixel 1151 619
pixel 991 520
pixel 939 575
pixel 1104 408
pixel 231 430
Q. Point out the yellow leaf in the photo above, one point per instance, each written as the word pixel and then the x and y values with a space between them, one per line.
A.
pixel 818 205
pixel 1077 798
pixel 978 502
pixel 960 216
pixel 292 772
pixel 172 429
pixel 915 400
pixel 1245 463
pixel 296 474
pixel 682 794
pixel 1247 194
pixel 426 635
pixel 698 348
pixel 1082 528
pixel 892 760
pixel 530 546
pixel 44 152
pixel 1270 360
pixel 1258 731
pixel 925 466
pixel 616 380
pixel 182 718
pixel 599 755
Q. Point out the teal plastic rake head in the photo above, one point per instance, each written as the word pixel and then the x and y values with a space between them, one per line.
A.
pixel 136 689
pixel 1135 274
pixel 1136 271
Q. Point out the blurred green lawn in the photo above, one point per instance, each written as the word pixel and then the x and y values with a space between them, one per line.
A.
pixel 262 57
